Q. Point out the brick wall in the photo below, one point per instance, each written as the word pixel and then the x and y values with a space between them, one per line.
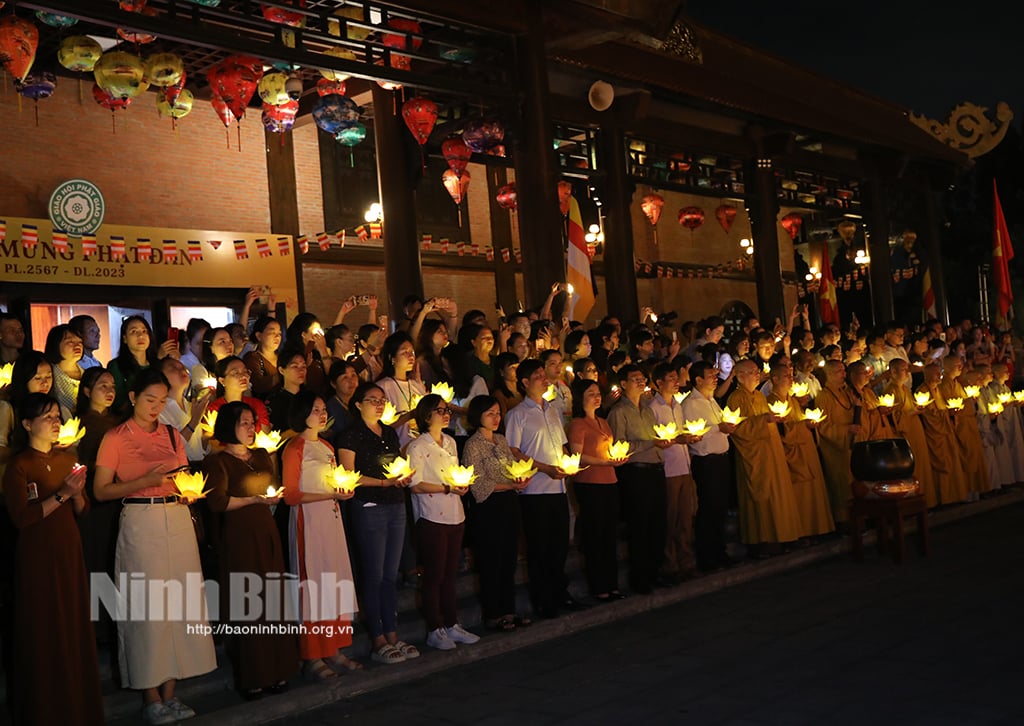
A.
pixel 307 177
pixel 149 174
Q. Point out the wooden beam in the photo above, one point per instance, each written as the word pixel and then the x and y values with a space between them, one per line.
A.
pixel 284 200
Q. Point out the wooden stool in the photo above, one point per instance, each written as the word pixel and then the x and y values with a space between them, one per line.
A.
pixel 882 511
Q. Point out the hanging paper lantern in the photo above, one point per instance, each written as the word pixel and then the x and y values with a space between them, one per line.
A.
pixel 342 53
pixel 164 69
pixel 120 74
pixel 507 197
pixel 725 214
pixel 19 40
pixel 79 53
pixel 279 119
pixel 691 217
pixel 272 89
pixel 332 113
pixel 398 62
pixel 399 41
pixel 138 37
pixel 456 153
pixel 482 134
pixel 54 20
pixel 108 101
pixel 354 32
pixel 652 205
pixel 326 86
pixel 206 3
pixel 285 17
pixel 132 6
pixel 223 111
pixel 792 223
pixel 456 185
pixel 564 195
pixel 172 92
pixel 234 79
pixel 37 85
pixel 351 135
pixel 460 54
pixel 420 115
pixel 180 108
pixel 498 150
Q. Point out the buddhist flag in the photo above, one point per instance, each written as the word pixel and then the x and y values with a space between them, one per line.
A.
pixel 582 296
pixel 460 248
pixel 3 230
pixel 376 230
pixel 170 249
pixel 324 241
pixel 60 240
pixel 425 241
pixel 263 247
pixel 489 254
pixel 241 252
pixel 928 300
pixel 29 236
pixel 117 248
pixel 362 232
pixel 303 241
pixel 195 250
pixel 827 292
pixel 88 245
pixel 1002 253
pixel 145 248
pixel 284 246
pixel 340 234
pixel 506 254
pixel 444 245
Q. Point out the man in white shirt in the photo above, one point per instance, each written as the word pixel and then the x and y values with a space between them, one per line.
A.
pixel 894 343
pixel 534 430
pixel 711 467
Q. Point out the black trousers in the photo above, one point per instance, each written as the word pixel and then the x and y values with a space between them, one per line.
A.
pixel 643 495
pixel 714 479
pixel 598 528
pixel 495 540
pixel 546 527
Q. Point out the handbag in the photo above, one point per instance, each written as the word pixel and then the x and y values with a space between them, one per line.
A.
pixel 193 511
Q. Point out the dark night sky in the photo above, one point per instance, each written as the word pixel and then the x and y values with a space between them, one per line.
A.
pixel 927 56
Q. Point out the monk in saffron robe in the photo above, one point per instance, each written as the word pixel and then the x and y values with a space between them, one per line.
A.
pixel 968 436
pixel 942 445
pixel 802 459
pixel 767 507
pixel 835 436
pixel 907 415
pixel 997 461
pixel 876 422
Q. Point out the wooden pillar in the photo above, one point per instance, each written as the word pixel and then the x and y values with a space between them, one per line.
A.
pixel 764 225
pixel 878 248
pixel 619 273
pixel 284 200
pixel 536 170
pixel 501 238
pixel 403 273
pixel 933 244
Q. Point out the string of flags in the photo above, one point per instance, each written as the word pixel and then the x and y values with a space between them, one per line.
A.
pixel 651 270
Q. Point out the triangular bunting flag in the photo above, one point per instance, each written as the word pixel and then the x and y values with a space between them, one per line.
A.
pixel 241 252
pixel 195 250
pixel 284 246
pixel 263 247
pixel 215 243
pixel 475 249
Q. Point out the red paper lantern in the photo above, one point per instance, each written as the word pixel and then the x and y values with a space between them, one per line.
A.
pixel 114 103
pixel 234 80
pixel 725 214
pixel 457 185
pixel 792 223
pixel 420 115
pixel 564 195
pixel 326 87
pixel 138 37
pixel 457 154
pixel 651 205
pixel 691 217
pixel 223 111
pixel 507 197
pixel 19 40
pixel 398 41
pixel 285 17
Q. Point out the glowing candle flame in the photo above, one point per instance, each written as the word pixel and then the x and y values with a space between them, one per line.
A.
pixel 390 414
pixel 190 485
pixel 208 382
pixel 780 408
pixel 70 432
pixel 398 469
pixel 995 408
pixel 696 428
pixel 815 415
pixel 1005 398
pixel 955 404
pixel 270 442
pixel 551 394
pixel 799 389
pixel 731 417
pixel 208 422
pixel 972 391
pixel 887 400
pixel 344 480
pixel 459 476
pixel 521 470
pixel 766 368
pixel 569 463
pixel 922 398
pixel 271 492
pixel 444 390
pixel 619 450
pixel 6 371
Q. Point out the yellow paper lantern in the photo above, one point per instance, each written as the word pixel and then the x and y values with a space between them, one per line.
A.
pixel 815 415
pixel 398 469
pixel 71 432
pixel 271 89
pixel 344 480
pixel 79 53
pixel 390 414
pixel 666 432
pixel 569 463
pixel 164 69
pixel 444 390
pixel 780 408
pixel 922 398
pixel 121 74
pixel 270 442
pixel 619 450
pixel 521 470
pixel 190 485
pixel 342 53
pixel 181 108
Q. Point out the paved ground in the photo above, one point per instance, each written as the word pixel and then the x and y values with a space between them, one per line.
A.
pixel 935 641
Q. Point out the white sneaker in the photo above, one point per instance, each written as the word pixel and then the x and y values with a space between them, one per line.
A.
pixel 179 709
pixel 439 639
pixel 460 635
pixel 157 713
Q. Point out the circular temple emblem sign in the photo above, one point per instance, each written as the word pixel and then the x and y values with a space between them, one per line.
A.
pixel 77 207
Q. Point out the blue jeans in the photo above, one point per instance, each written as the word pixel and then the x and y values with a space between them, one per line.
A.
pixel 380 531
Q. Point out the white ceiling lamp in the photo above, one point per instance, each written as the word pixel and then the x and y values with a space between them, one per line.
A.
pixel 601 95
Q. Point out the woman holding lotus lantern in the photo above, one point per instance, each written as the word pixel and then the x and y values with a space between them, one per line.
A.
pixel 135 464
pixel 232 384
pixel 243 485
pixel 319 550
pixel 397 383
pixel 438 485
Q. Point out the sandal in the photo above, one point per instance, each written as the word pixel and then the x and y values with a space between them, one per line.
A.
pixel 388 654
pixel 341 664
pixel 505 624
pixel 409 651
pixel 317 670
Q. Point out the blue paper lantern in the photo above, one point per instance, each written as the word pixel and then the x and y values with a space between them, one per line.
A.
pixel 332 113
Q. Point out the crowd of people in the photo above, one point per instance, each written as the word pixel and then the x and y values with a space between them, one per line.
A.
pixel 571 433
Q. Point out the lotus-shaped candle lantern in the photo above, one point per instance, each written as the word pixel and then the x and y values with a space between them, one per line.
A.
pixel 696 428
pixel 972 391
pixel 619 450
pixel 459 476
pixel 887 400
pixel 521 470
pixel 666 432
pixel 390 414
pixel 414 401
pixel 190 485
pixel 208 422
pixel 398 469
pixel 779 408
pixel 955 404
pixel 444 390
pixel 922 398
pixel 344 480
pixel 208 382
pixel 995 408
pixel 679 396
pixel 1004 398
pixel 766 367
pixel 71 432
pixel 799 389
pixel 551 394
pixel 271 492
pixel 731 417
pixel 1018 396
pixel 815 415
pixel 270 442
pixel 317 330
pixel 569 463
pixel 6 371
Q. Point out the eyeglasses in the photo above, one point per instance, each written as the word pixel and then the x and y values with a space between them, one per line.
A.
pixel 442 410
pixel 375 401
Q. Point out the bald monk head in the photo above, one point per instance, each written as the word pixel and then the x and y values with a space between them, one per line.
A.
pixel 952 366
pixel 835 373
pixel 782 380
pixel 932 375
pixel 859 375
pixel 899 371
pixel 748 375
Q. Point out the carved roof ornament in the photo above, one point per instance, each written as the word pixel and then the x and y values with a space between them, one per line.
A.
pixel 682 41
pixel 968 129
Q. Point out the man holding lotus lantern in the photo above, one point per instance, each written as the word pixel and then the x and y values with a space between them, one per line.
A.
pixel 907 417
pixel 943 450
pixel 968 435
pixel 835 436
